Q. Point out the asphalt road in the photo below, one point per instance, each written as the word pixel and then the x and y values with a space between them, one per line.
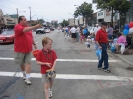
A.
pixel 77 74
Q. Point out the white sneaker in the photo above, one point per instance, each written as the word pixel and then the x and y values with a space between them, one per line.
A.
pixel 50 93
pixel 24 76
pixel 28 81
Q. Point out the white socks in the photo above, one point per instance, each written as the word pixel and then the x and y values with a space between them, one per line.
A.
pixel 27 76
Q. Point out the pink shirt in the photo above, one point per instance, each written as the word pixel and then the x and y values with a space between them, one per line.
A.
pixel 121 39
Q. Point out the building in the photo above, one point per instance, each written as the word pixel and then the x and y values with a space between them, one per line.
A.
pixel 72 21
pixel 15 17
pixel 2 21
pixel 104 16
pixel 129 16
pixel 9 21
pixel 93 19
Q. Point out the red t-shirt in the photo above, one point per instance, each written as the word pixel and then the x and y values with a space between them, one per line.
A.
pixel 23 40
pixel 48 57
pixel 101 36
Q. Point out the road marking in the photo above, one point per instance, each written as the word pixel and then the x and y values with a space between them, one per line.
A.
pixel 65 60
pixel 71 76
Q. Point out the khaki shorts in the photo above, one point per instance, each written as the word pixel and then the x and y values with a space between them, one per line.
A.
pixel 22 58
pixel 46 80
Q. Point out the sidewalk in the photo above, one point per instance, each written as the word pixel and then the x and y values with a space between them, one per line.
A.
pixel 128 58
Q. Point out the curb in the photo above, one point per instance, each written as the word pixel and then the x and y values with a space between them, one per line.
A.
pixel 122 59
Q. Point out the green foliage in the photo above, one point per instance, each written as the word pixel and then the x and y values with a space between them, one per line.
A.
pixel 85 10
pixel 41 20
pixel 64 23
pixel 55 24
pixel 118 5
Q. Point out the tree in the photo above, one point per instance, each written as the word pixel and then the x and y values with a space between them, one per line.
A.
pixel 85 10
pixel 41 21
pixel 64 23
pixel 121 6
pixel 54 23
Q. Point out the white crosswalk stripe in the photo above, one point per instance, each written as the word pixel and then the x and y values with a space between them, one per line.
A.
pixel 67 60
pixel 71 76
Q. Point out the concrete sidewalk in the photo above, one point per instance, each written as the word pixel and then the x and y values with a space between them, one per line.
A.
pixel 128 58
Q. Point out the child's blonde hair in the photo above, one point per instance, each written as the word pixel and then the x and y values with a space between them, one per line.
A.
pixel 45 40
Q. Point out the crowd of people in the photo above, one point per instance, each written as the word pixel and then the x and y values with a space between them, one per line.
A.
pixel 82 34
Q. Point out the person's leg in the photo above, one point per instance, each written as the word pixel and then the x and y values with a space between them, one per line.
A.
pixel 45 82
pixel 117 48
pixel 28 67
pixel 46 90
pixel 105 57
pixel 50 87
pixel 19 59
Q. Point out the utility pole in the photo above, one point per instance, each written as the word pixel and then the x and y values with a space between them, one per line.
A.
pixel 30 15
pixel 17 13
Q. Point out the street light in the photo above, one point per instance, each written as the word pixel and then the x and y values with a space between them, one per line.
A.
pixel 73 16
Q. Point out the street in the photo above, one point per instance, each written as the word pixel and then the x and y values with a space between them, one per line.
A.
pixel 77 73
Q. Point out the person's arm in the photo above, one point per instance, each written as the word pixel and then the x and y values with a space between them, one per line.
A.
pixel 26 29
pixel 44 63
pixel 34 44
pixel 97 39
pixel 54 65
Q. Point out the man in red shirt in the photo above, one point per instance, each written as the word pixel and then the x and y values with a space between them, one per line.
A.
pixel 47 59
pixel 23 46
pixel 101 41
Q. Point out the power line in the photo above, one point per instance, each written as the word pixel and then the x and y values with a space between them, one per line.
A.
pixel 22 3
pixel 18 4
pixel 7 7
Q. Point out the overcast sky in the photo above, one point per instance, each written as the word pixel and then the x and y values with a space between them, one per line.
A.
pixel 46 9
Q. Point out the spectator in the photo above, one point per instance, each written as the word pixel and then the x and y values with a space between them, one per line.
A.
pixel 96 29
pixel 101 41
pixel 110 33
pixel 115 30
pixel 121 42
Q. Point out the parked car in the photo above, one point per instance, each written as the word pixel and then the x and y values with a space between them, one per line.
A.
pixel 52 29
pixel 40 31
pixel 7 36
pixel 91 29
pixel 48 30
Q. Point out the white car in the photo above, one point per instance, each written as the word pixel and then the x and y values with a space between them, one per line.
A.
pixel 91 29
pixel 48 30
pixel 40 31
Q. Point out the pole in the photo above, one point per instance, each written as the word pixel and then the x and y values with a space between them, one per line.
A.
pixel 74 20
pixel 30 15
pixel 17 14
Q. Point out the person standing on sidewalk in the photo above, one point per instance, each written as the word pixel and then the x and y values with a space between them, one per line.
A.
pixel 101 41
pixel 115 31
pixel 23 46
pixel 78 33
pixel 110 34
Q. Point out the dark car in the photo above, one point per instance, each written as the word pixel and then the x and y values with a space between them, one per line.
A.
pixel 7 36
pixel 40 31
